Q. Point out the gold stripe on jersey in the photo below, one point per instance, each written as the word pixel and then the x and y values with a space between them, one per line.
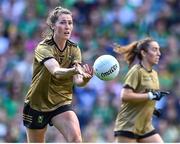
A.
pixel 46 92
pixel 27 118
pixel 136 116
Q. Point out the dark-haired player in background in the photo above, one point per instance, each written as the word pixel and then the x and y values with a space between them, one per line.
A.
pixel 139 94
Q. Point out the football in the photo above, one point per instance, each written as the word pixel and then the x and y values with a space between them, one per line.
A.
pixel 106 67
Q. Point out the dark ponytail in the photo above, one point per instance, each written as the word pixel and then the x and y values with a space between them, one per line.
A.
pixel 133 49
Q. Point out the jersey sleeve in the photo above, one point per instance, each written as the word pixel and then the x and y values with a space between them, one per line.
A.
pixel 132 79
pixel 43 53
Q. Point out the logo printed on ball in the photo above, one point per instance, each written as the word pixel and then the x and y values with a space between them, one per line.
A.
pixel 112 69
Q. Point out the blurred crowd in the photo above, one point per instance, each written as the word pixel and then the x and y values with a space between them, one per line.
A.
pixel 97 25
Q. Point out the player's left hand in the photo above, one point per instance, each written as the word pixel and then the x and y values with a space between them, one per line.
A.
pixel 88 70
pixel 157 95
pixel 85 70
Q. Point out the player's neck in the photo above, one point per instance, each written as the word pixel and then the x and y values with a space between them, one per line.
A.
pixel 146 66
pixel 60 42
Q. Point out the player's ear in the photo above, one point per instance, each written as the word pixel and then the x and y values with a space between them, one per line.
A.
pixel 53 26
pixel 143 53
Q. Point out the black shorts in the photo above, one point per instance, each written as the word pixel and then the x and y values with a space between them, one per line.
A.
pixel 34 119
pixel 132 135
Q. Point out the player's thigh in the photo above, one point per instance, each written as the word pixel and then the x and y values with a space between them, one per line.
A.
pixel 67 123
pixel 36 135
pixel 156 138
pixel 123 139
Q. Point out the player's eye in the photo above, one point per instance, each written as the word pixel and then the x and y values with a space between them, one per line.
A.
pixel 70 22
pixel 66 22
pixel 154 49
pixel 62 22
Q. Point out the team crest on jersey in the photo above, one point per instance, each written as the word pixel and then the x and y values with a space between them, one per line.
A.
pixel 71 58
pixel 59 58
pixel 40 119
pixel 147 78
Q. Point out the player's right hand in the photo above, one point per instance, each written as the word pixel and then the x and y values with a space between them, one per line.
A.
pixel 157 95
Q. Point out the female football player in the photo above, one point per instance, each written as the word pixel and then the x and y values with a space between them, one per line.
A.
pixel 140 91
pixel 57 67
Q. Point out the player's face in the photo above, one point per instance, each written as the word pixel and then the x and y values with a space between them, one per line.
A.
pixel 153 53
pixel 63 26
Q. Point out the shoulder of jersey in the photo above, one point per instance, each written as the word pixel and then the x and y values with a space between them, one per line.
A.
pixel 70 43
pixel 49 42
pixel 135 67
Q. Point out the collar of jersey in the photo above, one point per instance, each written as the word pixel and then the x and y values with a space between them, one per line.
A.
pixel 149 71
pixel 57 45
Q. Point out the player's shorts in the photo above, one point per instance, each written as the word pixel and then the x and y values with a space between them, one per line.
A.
pixel 34 119
pixel 133 135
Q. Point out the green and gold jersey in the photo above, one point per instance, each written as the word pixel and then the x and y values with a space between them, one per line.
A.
pixel 46 92
pixel 136 116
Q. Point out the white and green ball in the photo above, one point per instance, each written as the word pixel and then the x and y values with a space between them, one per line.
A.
pixel 106 67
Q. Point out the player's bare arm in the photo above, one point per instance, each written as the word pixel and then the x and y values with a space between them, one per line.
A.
pixel 54 68
pixel 128 95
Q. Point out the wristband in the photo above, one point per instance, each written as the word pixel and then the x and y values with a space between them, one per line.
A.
pixel 150 95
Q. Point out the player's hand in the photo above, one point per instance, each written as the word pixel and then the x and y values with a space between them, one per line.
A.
pixel 88 70
pixel 78 69
pixel 84 70
pixel 157 95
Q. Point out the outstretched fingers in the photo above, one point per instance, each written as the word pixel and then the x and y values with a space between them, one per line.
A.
pixel 88 69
